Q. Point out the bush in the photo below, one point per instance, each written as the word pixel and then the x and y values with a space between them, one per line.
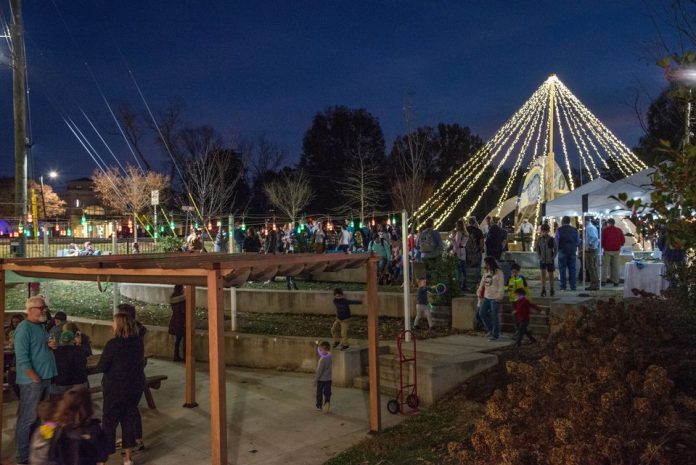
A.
pixel 444 270
pixel 170 244
pixel 615 388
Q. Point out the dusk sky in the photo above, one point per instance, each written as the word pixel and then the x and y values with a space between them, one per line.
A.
pixel 252 67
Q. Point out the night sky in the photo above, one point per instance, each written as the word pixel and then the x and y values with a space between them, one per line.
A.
pixel 252 67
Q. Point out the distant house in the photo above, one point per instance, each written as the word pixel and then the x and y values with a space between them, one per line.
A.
pixel 81 198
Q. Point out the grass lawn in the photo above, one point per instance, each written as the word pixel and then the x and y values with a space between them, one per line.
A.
pixel 83 299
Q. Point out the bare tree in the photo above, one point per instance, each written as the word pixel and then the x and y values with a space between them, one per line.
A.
pixel 134 130
pixel 213 177
pixel 411 188
pixel 128 192
pixel 290 193
pixel 260 155
pixel 361 186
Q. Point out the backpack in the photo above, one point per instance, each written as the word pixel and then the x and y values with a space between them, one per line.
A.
pixel 427 241
pixel 473 252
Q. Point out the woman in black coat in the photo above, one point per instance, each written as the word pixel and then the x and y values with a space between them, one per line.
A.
pixel 123 381
pixel 177 322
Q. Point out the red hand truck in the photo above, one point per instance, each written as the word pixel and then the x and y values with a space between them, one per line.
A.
pixel 408 391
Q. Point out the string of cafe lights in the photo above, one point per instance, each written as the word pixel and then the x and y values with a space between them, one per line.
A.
pixel 580 143
pixel 589 139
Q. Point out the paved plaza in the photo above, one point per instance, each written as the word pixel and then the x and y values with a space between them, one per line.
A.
pixel 271 417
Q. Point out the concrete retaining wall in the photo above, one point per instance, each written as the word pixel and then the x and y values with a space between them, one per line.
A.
pixel 246 350
pixel 274 301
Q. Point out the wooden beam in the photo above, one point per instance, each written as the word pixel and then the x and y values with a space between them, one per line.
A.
pixel 2 356
pixel 190 295
pixel 218 387
pixel 373 345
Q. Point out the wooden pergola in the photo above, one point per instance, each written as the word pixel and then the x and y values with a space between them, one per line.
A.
pixel 213 271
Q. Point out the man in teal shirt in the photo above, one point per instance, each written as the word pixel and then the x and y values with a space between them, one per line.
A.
pixel 36 366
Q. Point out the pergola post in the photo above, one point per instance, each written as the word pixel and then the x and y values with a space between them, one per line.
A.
pixel 2 355
pixel 216 349
pixel 190 295
pixel 372 345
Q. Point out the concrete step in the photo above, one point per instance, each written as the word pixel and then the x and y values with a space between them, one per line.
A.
pixel 535 329
pixel 534 319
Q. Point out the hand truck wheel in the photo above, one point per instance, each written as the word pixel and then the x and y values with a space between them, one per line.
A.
pixel 393 407
pixel 412 401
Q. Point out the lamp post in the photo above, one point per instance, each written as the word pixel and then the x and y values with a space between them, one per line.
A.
pixel 53 175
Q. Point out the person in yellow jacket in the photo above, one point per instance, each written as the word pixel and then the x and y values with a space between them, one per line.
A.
pixel 516 281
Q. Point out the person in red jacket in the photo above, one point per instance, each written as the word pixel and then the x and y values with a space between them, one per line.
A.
pixel 521 309
pixel 612 241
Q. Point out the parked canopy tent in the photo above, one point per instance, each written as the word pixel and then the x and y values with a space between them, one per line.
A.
pixel 636 186
pixel 570 204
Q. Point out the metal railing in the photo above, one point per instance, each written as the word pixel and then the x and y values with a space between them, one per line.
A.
pixel 57 245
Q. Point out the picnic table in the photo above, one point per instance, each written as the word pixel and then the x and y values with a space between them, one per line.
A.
pixel 151 382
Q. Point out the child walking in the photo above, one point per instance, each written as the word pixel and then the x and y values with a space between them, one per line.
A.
pixel 422 304
pixel 521 308
pixel 322 377
pixel 342 320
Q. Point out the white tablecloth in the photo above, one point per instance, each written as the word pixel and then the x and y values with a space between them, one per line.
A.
pixel 649 279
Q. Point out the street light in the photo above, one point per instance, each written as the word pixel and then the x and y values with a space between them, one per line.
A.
pixel 53 174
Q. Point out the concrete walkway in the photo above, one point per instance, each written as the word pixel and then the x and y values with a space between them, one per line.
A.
pixel 271 419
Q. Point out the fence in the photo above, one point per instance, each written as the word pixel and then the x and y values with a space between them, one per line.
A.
pixel 36 248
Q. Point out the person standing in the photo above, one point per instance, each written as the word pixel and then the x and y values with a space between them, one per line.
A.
pixel 342 320
pixel 459 238
pixel 71 362
pixel 475 244
pixel 319 238
pixel 344 240
pixel 36 366
pixel 123 381
pixel 546 249
pixel 177 322
pixel 567 239
pixel 525 231
pixel 495 239
pixel 612 241
pixel 486 225
pixel 429 244
pixel 322 377
pixel 591 252
pixel 251 243
pixel 491 292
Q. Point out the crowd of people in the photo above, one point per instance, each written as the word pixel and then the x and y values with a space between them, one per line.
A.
pixel 55 419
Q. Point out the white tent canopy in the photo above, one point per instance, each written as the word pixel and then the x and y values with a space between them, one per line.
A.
pixel 570 204
pixel 636 186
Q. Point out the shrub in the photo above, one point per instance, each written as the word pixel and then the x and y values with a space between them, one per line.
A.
pixel 613 389
pixel 169 244
pixel 444 270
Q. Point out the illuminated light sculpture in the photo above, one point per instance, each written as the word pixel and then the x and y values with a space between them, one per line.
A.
pixel 552 109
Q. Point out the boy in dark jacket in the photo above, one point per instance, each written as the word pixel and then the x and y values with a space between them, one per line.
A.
pixel 342 318
pixel 521 309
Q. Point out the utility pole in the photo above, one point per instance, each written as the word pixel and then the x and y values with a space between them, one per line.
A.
pixel 20 119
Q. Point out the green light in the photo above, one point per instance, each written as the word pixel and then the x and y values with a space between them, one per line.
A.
pixel 27 232
pixel 69 233
pixel 243 227
pixel 195 225
pixel 156 234
pixel 171 225
pixel 90 228
pixel 84 220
